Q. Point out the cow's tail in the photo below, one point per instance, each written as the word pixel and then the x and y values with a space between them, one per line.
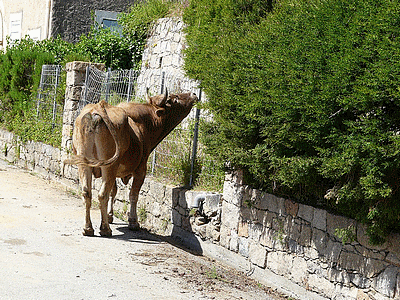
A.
pixel 92 162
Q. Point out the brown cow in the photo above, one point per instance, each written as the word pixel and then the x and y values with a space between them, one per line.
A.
pixel 116 141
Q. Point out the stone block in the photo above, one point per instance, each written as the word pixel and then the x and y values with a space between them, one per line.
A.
pixel 370 253
pixel 373 267
pixel 255 230
pixel 339 276
pixel 268 238
pixel 212 205
pixel 269 218
pixel 319 241
pixel 351 261
pixel 235 176
pixel 306 212
pixel 333 250
pixel 280 263
pixel 361 295
pixel 299 272
pixel 233 193
pixel 230 215
pixel 291 208
pixel 73 93
pixel 394 248
pixel 201 231
pixel 319 219
pixel 345 292
pixel 294 247
pixel 234 241
pixel 212 232
pixel 386 282
pixel 334 222
pixel 243 229
pixel 397 293
pixel 157 190
pixel 243 246
pixel 305 235
pixel 292 229
pixel 320 284
pixel 224 237
pixel 275 204
pixel 258 255
pixel 360 281
pixel 363 239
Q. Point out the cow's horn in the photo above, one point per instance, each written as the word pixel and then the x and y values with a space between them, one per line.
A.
pixel 164 100
pixel 147 95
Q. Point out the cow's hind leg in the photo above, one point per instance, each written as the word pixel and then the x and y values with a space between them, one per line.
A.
pixel 111 203
pixel 104 193
pixel 133 199
pixel 85 178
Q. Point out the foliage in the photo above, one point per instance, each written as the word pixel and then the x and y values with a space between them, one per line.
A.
pixel 137 22
pixel 305 98
pixel 109 47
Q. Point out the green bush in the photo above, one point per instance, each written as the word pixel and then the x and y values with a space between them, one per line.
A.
pixel 137 22
pixel 305 97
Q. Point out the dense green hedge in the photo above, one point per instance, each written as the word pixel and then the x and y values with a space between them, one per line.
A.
pixel 306 99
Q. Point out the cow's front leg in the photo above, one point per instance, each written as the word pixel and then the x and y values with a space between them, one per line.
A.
pixel 111 203
pixel 104 194
pixel 133 199
pixel 85 178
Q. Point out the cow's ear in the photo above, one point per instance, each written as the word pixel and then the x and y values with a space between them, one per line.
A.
pixel 160 112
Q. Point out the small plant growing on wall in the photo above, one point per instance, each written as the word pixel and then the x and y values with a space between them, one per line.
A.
pixel 142 214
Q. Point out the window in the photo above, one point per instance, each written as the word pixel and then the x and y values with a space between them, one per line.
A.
pixel 107 19
pixel 34 34
pixel 15 26
pixel 107 23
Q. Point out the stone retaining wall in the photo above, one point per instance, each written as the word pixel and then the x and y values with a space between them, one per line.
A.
pixel 292 240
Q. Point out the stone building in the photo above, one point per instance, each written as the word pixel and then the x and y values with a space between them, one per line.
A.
pixel 42 19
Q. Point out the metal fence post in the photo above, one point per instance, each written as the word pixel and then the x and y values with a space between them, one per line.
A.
pixel 55 96
pixel 108 74
pixel 195 143
pixel 40 90
pixel 129 86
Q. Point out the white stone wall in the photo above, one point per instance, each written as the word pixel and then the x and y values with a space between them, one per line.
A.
pixel 164 53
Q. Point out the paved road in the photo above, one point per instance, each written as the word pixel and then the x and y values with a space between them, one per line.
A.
pixel 43 254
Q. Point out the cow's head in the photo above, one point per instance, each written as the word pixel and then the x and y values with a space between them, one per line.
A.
pixel 172 108
pixel 175 106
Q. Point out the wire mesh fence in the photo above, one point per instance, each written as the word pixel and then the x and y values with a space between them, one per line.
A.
pixel 179 158
pixel 49 107
pixel 112 86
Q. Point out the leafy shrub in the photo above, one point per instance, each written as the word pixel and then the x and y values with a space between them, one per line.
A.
pixel 137 22
pixel 305 98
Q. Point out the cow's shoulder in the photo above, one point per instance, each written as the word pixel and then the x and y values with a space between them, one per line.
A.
pixel 138 112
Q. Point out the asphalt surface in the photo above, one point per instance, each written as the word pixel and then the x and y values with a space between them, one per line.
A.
pixel 43 254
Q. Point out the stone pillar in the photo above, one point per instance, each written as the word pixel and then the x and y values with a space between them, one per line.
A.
pixel 231 205
pixel 76 74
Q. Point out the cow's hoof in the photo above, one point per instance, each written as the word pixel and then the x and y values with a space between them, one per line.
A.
pixel 110 219
pixel 134 226
pixel 88 232
pixel 106 232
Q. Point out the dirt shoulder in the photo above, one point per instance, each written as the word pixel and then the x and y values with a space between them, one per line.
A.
pixel 45 256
